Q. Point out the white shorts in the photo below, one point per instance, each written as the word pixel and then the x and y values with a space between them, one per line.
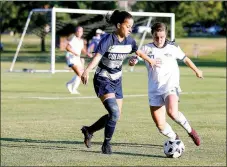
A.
pixel 72 59
pixel 159 100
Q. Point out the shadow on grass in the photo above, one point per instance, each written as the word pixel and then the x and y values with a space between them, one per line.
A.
pixel 35 146
pixel 28 141
pixel 128 153
pixel 77 142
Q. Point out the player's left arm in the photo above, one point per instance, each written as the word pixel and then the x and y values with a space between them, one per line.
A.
pixel 190 64
pixel 181 56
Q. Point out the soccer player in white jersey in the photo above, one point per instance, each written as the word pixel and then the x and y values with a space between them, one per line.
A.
pixel 109 55
pixel 74 48
pixel 163 82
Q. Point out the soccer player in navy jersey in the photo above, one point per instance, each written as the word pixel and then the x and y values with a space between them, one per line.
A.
pixel 95 41
pixel 109 55
pixel 163 82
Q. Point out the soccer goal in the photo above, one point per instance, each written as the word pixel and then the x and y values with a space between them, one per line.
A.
pixel 41 46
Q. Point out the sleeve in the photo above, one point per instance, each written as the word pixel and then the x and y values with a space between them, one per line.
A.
pixel 144 49
pixel 103 45
pixel 180 54
pixel 134 46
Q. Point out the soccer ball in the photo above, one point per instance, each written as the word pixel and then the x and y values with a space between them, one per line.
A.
pixel 173 148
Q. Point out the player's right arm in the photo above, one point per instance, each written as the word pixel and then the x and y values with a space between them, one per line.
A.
pixel 91 65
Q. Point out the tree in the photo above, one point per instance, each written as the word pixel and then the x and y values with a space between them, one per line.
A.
pixel 8 16
pixel 187 13
pixel 222 16
pixel 155 6
pixel 203 12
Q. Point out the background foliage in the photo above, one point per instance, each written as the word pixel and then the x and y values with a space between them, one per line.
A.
pixel 14 13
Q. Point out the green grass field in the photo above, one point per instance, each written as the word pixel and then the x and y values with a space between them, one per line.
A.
pixel 41 121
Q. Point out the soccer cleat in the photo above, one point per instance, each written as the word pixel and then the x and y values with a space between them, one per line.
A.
pixel 106 148
pixel 75 92
pixel 195 137
pixel 69 87
pixel 87 136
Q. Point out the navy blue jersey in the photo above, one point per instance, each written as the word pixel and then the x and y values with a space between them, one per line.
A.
pixel 114 52
pixel 95 41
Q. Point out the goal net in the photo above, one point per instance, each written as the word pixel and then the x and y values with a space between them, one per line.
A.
pixel 41 46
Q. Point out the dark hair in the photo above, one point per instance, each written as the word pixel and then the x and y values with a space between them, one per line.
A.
pixel 158 27
pixel 117 17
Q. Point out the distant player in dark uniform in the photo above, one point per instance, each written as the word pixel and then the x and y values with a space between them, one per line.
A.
pixel 95 41
pixel 109 55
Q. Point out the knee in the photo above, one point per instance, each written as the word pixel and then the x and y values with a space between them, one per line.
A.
pixel 112 108
pixel 172 114
pixel 115 116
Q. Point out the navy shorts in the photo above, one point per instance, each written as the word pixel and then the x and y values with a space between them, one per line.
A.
pixel 103 85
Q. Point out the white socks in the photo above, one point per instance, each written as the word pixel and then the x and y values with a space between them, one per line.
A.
pixel 76 84
pixel 72 80
pixel 181 120
pixel 73 84
pixel 168 132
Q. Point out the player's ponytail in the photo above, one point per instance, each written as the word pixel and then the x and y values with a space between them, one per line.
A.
pixel 117 17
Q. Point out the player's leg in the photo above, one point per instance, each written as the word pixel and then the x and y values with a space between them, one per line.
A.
pixel 158 114
pixel 77 78
pixel 112 105
pixel 171 103
pixel 74 63
pixel 69 62
pixel 108 101
pixel 119 95
pixel 120 103
pixel 108 121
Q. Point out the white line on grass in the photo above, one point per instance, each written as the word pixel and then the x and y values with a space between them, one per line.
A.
pixel 92 97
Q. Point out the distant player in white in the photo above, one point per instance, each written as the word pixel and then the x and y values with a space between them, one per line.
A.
pixel 163 82
pixel 74 49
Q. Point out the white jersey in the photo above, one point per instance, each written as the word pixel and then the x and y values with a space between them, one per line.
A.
pixel 76 44
pixel 162 79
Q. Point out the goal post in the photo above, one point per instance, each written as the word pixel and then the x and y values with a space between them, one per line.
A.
pixel 54 11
